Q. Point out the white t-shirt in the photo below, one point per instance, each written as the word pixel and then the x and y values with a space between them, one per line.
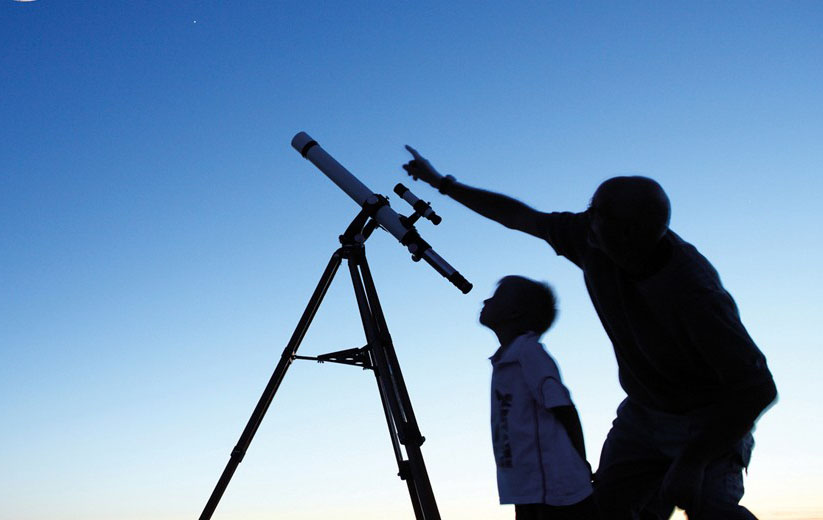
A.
pixel 536 461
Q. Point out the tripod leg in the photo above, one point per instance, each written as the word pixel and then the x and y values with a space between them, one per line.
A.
pixel 286 359
pixel 409 428
pixel 395 398
pixel 403 465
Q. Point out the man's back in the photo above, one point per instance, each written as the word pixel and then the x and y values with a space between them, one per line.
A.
pixel 677 335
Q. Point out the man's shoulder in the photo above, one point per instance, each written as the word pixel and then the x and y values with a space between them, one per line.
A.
pixel 552 222
pixel 688 274
pixel 566 232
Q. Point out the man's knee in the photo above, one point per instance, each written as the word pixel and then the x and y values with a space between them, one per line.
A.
pixel 736 512
pixel 623 495
pixel 723 489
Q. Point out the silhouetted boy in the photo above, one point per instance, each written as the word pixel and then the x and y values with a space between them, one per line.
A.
pixel 536 433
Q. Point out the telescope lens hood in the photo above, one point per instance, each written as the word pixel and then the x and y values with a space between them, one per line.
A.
pixel 302 142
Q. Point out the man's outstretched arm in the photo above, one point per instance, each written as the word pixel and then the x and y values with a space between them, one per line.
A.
pixel 503 209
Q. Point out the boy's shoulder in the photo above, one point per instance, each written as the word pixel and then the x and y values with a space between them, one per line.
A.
pixel 527 341
pixel 526 349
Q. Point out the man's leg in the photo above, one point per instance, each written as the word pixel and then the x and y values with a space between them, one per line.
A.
pixel 723 486
pixel 657 509
pixel 583 510
pixel 631 468
pixel 527 511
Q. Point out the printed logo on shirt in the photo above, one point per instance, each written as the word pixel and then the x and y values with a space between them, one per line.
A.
pixel 500 432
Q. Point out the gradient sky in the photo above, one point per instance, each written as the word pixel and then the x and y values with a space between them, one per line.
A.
pixel 159 237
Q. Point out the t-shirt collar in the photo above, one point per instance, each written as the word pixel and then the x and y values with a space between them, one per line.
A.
pixel 506 353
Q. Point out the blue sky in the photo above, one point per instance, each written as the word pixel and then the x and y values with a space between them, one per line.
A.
pixel 160 237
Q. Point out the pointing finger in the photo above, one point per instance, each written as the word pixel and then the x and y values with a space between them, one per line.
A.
pixel 414 152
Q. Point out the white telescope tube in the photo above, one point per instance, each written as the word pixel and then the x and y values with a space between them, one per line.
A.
pixel 347 182
pixel 385 216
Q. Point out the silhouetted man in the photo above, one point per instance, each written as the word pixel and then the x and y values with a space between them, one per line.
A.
pixel 695 381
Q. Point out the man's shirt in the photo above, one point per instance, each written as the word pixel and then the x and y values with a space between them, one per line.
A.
pixel 677 334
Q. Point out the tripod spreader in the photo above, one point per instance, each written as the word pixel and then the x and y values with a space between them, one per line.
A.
pixel 358 357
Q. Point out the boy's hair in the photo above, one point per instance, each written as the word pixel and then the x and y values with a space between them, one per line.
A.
pixel 537 299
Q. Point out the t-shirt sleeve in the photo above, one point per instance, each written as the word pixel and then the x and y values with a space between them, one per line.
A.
pixel 542 377
pixel 723 342
pixel 567 233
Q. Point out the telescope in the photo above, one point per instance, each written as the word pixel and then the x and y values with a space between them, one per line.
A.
pixel 378 354
pixel 398 226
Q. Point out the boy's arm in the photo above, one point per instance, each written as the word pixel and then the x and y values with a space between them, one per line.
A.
pixel 542 378
pixel 569 418
pixel 502 209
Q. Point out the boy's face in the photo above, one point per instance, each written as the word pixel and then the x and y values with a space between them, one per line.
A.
pixel 500 308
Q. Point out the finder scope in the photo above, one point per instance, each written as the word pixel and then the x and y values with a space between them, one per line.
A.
pixel 385 216
pixel 422 207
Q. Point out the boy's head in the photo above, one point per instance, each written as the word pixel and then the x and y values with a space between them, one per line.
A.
pixel 519 305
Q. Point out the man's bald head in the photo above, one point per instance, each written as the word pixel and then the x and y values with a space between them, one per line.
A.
pixel 636 201
pixel 629 216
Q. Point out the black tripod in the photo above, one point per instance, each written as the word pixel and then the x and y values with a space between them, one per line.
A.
pixel 378 355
